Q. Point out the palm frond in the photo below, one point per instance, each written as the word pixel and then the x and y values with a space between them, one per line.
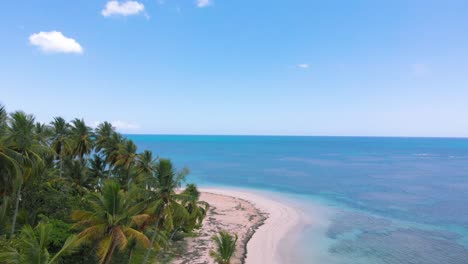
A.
pixel 10 256
pixel 138 236
pixel 104 248
pixel 71 245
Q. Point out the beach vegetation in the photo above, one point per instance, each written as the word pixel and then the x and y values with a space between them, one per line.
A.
pixel 225 247
pixel 70 193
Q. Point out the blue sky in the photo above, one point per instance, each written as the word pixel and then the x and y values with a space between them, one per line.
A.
pixel 296 67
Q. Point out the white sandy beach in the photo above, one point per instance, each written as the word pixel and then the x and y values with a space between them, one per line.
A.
pixel 244 212
pixel 263 247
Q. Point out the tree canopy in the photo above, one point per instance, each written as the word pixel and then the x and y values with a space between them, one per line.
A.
pixel 73 194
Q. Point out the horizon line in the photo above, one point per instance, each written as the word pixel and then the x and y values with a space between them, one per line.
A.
pixel 283 135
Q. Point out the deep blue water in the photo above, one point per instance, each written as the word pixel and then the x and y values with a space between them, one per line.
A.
pixel 398 200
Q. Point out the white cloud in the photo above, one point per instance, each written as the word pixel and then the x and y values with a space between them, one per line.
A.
pixel 126 8
pixel 204 3
pixel 122 125
pixel 55 42
pixel 303 66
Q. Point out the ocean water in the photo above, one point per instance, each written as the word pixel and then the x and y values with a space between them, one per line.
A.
pixel 389 200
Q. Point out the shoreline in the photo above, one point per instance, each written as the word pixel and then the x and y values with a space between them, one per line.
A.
pixel 263 216
pixel 265 241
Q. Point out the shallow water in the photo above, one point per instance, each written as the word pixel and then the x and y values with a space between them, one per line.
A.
pixel 390 200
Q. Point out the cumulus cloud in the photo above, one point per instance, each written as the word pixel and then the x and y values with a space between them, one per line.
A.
pixel 122 125
pixel 303 66
pixel 126 8
pixel 55 42
pixel 204 3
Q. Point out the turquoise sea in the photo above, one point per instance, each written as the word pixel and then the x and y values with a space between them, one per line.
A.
pixel 390 200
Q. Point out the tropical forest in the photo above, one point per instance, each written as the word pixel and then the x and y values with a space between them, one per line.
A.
pixel 75 194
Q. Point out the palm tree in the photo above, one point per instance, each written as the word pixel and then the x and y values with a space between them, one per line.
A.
pixel 82 136
pixel 163 199
pixel 110 221
pixel 3 214
pixel 61 142
pixel 9 169
pixel 43 133
pixel 33 247
pixel 77 172
pixel 111 148
pixel 145 166
pixel 97 168
pixel 196 209
pixel 126 157
pixel 104 133
pixel 3 119
pixel 22 139
pixel 225 247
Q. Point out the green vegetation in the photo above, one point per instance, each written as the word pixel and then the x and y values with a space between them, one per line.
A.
pixel 225 247
pixel 73 194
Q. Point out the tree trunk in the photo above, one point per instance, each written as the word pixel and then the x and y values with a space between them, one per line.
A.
pixel 108 257
pixel 128 179
pixel 173 233
pixel 153 238
pixel 15 215
pixel 130 255
pixel 61 162
pixel 170 239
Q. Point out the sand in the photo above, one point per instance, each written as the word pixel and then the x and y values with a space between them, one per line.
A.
pixel 261 222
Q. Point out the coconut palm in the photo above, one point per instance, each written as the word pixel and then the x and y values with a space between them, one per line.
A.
pixel 43 133
pixel 61 143
pixel 3 120
pixel 225 247
pixel 110 221
pixel 104 132
pixel 33 247
pixel 126 157
pixel 145 165
pixel 110 150
pixel 196 209
pixel 77 172
pixel 97 168
pixel 82 137
pixel 22 139
pixel 9 168
pixel 3 214
pixel 164 206
pixel 9 174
